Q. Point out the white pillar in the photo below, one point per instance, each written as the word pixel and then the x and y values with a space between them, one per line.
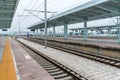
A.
pixel 109 32
pixel 36 32
pixel 85 29
pixel 99 32
pixel 65 31
pixel 41 32
pixel 118 25
pixel 53 31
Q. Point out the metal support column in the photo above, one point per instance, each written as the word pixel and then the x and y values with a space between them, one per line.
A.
pixel 65 31
pixel 85 30
pixel 45 16
pixel 41 32
pixel 79 32
pixel 118 25
pixel 36 32
pixel 53 31
pixel 109 32
pixel 91 32
pixel 99 32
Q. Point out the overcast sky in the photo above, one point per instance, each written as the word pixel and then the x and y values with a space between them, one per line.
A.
pixel 52 5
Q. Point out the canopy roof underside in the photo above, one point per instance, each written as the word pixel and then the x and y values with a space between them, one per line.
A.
pixel 7 10
pixel 93 10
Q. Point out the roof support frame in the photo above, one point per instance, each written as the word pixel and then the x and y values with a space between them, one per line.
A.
pixel 6 11
pixel 75 17
pixel 91 12
pixel 56 22
pixel 8 4
pixel 109 8
pixel 99 11
pixel 100 16
pixel 83 11
pixel 82 14
pixel 116 1
pixel 5 18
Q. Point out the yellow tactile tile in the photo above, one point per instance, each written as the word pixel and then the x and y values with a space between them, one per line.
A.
pixel 7 70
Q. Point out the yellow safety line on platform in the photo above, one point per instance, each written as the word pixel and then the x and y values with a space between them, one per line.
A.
pixel 7 69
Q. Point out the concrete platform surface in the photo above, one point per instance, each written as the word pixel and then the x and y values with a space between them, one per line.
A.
pixel 7 68
pixel 28 68
pixel 88 68
pixel 2 45
pixel 96 42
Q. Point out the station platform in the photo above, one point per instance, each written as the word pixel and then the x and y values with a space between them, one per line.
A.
pixel 102 47
pixel 90 69
pixel 98 42
pixel 7 69
pixel 112 44
pixel 17 64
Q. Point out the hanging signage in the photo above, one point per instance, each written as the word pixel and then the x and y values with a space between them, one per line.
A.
pixel 32 29
pixel 4 29
pixel 41 30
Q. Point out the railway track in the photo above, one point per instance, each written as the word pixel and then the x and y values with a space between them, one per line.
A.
pixel 96 57
pixel 54 68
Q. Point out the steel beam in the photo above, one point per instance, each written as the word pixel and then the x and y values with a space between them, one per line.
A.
pixel 7 4
pixel 75 17
pixel 116 1
pixel 102 16
pixel 56 22
pixel 109 8
pixel 5 18
pixel 6 11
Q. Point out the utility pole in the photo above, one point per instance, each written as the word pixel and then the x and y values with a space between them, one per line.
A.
pixel 45 16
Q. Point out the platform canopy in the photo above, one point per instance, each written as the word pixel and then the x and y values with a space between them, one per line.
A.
pixel 93 10
pixel 7 11
pixel 105 27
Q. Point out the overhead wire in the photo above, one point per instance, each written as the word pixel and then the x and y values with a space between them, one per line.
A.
pixel 72 6
pixel 40 6
pixel 30 8
pixel 33 7
pixel 43 4
pixel 26 8
pixel 34 4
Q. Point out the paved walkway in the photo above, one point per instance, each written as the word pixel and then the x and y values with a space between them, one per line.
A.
pixel 2 45
pixel 7 69
pixel 28 68
pixel 89 68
